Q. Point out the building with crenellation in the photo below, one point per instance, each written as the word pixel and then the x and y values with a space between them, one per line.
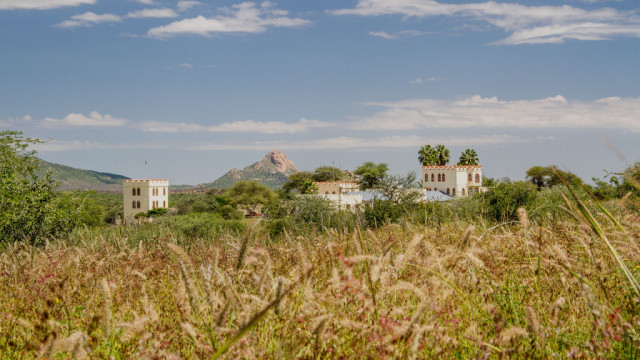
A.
pixel 142 195
pixel 453 180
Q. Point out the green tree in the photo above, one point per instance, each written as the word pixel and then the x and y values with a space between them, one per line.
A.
pixel 427 156
pixel 29 209
pixel 249 195
pixel 442 154
pixel 544 176
pixel 468 157
pixel 297 181
pixel 328 173
pixel 370 174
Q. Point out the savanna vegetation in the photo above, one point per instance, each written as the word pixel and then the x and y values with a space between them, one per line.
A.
pixel 544 268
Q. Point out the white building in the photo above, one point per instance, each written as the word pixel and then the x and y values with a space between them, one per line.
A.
pixel 141 196
pixel 453 180
pixel 344 194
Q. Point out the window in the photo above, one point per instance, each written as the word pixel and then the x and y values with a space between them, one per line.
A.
pixel 442 177
pixel 439 177
pixel 432 177
pixel 469 178
pixel 326 192
pixel 478 178
pixel 164 191
pixel 138 191
pixel 448 191
pixel 133 205
pixel 164 203
pixel 426 177
pixel 462 191
pixel 453 192
pixel 138 204
pixel 133 191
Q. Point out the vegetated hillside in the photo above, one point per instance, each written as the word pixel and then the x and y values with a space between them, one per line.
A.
pixel 272 171
pixel 72 178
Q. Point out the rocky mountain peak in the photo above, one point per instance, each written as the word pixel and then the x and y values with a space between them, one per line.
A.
pixel 281 161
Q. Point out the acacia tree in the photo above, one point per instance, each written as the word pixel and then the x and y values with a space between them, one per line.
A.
pixel 370 174
pixel 248 195
pixel 427 156
pixel 442 154
pixel 468 157
pixel 29 208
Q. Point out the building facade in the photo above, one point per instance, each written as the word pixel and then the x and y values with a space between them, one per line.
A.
pixel 453 180
pixel 142 195
pixel 336 187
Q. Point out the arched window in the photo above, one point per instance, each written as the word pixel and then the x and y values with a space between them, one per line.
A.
pixel 453 192
pixel 462 191
pixel 439 177
pixel 138 191
pixel 432 177
pixel 334 193
pixel 133 205
pixel 138 204
pixel 448 191
pixel 426 177
pixel 477 178
pixel 133 191
pixel 164 203
pixel 442 177
pixel 164 191
pixel 469 177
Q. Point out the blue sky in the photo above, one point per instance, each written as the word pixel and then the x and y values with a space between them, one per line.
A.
pixel 194 88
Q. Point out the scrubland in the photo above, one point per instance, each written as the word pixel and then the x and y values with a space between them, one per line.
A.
pixel 559 288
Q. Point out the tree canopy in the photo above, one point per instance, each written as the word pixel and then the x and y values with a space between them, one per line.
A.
pixel 29 208
pixel 430 156
pixel 468 157
pixel 370 174
pixel 544 176
pixel 248 195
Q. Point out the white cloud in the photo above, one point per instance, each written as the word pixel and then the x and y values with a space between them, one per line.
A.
pixel 479 112
pixel 397 34
pixel 153 13
pixel 94 119
pixel 146 2
pixel 353 143
pixel 526 24
pixel 186 5
pixel 74 145
pixel 89 19
pixel 416 81
pixel 41 4
pixel 246 17
pixel 248 126
pixel 186 65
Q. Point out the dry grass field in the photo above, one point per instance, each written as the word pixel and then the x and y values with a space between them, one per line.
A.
pixel 566 290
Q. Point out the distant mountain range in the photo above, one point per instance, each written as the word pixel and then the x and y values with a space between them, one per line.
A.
pixel 71 178
pixel 273 171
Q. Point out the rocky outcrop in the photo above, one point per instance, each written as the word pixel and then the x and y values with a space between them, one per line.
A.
pixel 273 171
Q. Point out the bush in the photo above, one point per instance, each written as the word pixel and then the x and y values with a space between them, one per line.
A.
pixel 202 225
pixel 503 200
pixel 29 209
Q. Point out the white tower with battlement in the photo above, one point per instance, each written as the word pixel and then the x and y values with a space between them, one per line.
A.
pixel 142 195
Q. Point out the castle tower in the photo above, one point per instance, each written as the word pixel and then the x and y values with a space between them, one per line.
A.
pixel 141 196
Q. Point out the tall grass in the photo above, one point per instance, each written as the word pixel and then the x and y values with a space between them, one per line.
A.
pixel 535 288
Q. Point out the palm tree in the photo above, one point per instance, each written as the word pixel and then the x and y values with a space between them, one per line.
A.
pixel 427 156
pixel 468 157
pixel 442 154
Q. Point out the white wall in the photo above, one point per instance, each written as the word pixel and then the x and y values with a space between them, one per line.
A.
pixel 146 196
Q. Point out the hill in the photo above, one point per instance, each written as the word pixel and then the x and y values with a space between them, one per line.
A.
pixel 72 178
pixel 273 171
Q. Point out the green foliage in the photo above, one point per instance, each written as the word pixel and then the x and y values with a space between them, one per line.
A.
pixel 328 173
pixel 201 225
pixel 468 157
pixel 503 200
pixel 427 156
pixel 302 182
pixel 28 208
pixel 544 176
pixel 248 195
pixel 371 174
